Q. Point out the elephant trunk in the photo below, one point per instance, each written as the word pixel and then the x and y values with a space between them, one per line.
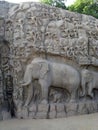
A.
pixel 30 94
pixel 27 77
pixel 84 79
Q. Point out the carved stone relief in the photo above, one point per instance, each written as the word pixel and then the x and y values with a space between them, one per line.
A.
pixel 44 41
pixel 6 82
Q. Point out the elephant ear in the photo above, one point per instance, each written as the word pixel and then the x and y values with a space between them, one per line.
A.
pixel 44 69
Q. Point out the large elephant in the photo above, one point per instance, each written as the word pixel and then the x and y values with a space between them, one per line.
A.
pixel 51 74
pixel 89 81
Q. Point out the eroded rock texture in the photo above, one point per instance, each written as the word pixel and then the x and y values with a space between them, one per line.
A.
pixel 55 37
pixel 6 77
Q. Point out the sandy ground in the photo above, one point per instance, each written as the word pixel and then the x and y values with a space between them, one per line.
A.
pixel 85 122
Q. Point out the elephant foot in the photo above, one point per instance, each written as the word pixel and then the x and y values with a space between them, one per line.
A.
pixel 44 102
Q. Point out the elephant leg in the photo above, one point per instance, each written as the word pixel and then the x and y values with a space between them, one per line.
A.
pixel 82 94
pixel 90 87
pixel 44 87
pixel 73 96
pixel 30 94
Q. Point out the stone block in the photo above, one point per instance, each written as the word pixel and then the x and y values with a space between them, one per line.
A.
pixel 82 108
pixel 42 111
pixel 18 115
pixel 60 110
pixel 32 115
pixel 41 115
pixel 71 109
pixel 91 106
pixel 43 107
pixel 6 115
pixel 25 113
pixel 52 115
pixel 52 112
pixel 33 108
pixel 61 114
pixel 32 111
pixel 60 107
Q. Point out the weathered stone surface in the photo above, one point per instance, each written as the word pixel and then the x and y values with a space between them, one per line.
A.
pixel 82 109
pixel 43 107
pixel 33 108
pixel 41 115
pixel 61 114
pixel 52 112
pixel 6 115
pixel 19 115
pixel 4 8
pixel 92 107
pixel 57 38
pixel 25 113
pixel 87 107
pixel 1 118
pixel 71 109
pixel 60 108
pixel 42 111
pixel 32 115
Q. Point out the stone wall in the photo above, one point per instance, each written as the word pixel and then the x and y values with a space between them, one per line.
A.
pixel 58 36
pixel 52 31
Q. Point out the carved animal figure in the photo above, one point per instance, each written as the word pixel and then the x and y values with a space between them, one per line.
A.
pixel 89 81
pixel 51 74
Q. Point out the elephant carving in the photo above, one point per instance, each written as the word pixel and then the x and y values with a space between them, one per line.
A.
pixel 89 81
pixel 51 74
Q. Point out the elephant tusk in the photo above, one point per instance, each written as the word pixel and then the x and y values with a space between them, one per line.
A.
pixel 24 83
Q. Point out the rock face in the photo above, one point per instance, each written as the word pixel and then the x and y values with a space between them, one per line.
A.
pixel 4 8
pixel 6 80
pixel 41 38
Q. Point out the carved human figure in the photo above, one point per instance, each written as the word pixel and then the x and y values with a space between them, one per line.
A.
pixel 51 74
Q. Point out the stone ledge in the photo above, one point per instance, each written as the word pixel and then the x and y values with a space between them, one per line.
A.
pixel 58 110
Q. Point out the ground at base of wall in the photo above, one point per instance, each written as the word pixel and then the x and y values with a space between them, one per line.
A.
pixel 84 122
